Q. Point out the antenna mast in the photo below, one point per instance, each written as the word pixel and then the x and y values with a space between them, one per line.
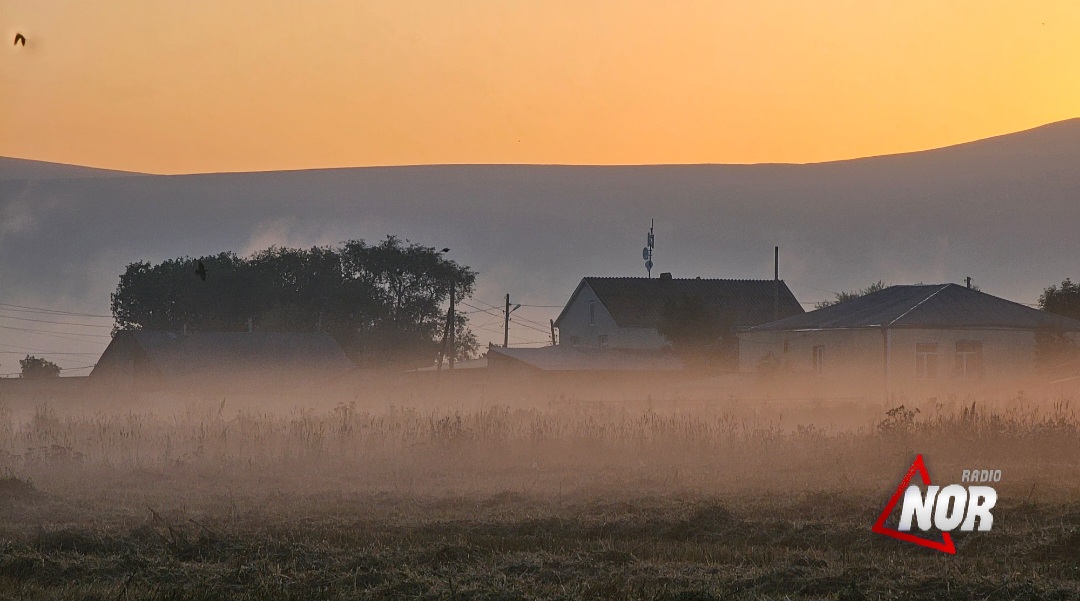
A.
pixel 646 253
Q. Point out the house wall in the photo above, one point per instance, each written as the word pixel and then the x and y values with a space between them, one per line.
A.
pixel 850 358
pixel 116 367
pixel 575 325
pixel 1008 360
pixel 855 359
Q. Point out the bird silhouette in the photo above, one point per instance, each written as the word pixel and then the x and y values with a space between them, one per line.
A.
pixel 20 39
pixel 445 250
pixel 201 271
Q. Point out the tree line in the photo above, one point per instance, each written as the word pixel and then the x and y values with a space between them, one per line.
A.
pixel 384 303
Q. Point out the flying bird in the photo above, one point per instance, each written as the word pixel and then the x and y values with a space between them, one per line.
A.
pixel 20 39
pixel 445 250
pixel 201 271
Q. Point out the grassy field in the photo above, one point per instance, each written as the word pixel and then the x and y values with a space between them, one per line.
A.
pixel 589 502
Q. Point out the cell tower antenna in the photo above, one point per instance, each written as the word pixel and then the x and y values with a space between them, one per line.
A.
pixel 646 253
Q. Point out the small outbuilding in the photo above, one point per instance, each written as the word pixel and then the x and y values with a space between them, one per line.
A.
pixel 939 337
pixel 147 361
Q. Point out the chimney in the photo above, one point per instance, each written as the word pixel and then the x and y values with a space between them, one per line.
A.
pixel 665 276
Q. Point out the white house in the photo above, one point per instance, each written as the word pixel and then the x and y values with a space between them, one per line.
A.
pixel 939 338
pixel 623 313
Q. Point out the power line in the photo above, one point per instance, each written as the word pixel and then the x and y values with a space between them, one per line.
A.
pixel 17 373
pixel 54 333
pixel 812 287
pixel 524 325
pixel 60 323
pixel 541 327
pixel 28 309
pixel 48 353
pixel 498 310
pixel 27 349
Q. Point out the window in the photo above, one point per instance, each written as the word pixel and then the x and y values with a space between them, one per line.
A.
pixel 601 340
pixel 819 356
pixel 968 359
pixel 592 313
pixel 926 360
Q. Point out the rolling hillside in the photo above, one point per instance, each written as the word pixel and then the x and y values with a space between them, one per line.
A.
pixel 1003 210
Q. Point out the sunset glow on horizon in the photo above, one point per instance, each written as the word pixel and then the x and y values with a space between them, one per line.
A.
pixel 164 87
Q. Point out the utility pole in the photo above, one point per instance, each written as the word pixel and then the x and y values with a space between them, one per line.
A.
pixel 506 323
pixel 447 335
pixel 968 279
pixel 442 347
pixel 451 327
pixel 552 322
pixel 776 283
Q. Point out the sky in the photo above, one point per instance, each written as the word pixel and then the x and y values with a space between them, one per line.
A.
pixel 241 85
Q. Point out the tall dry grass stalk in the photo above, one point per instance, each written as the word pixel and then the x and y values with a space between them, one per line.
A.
pixel 726 446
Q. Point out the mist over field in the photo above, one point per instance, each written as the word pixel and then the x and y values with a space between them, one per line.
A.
pixel 1000 210
pixel 437 489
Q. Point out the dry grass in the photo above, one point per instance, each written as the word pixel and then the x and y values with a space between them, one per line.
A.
pixel 577 502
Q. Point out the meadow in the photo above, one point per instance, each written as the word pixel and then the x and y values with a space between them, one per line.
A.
pixel 721 500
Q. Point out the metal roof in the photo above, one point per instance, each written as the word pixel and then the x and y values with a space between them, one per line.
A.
pixel 571 358
pixel 924 306
pixel 639 302
pixel 176 355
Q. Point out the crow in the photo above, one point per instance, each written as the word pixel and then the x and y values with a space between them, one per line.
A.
pixel 201 271
pixel 20 39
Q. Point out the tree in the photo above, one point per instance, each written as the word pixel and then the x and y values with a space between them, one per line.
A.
pixel 33 368
pixel 1055 350
pixel 1062 300
pixel 384 303
pixel 852 294
pixel 687 323
pixel 696 332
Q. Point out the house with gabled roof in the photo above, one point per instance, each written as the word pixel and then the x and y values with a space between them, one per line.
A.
pixel 624 312
pixel 149 361
pixel 940 336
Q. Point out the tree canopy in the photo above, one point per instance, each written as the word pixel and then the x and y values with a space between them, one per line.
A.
pixel 384 302
pixel 847 295
pixel 698 333
pixel 33 368
pixel 1062 300
pixel 687 323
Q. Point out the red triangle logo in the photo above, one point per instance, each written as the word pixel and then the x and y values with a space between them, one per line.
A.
pixel 945 545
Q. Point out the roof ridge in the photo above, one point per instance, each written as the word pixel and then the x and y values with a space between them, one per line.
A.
pixel 694 279
pixel 919 304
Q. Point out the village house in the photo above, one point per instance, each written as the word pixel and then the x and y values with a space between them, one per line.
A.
pixel 624 312
pixel 147 361
pixel 940 338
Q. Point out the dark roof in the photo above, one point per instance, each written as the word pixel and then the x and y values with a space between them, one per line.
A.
pixel 571 358
pixel 924 306
pixel 174 355
pixel 639 302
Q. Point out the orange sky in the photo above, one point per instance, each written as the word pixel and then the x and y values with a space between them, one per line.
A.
pixel 229 85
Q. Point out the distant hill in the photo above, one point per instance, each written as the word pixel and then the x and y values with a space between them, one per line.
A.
pixel 23 169
pixel 1004 211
